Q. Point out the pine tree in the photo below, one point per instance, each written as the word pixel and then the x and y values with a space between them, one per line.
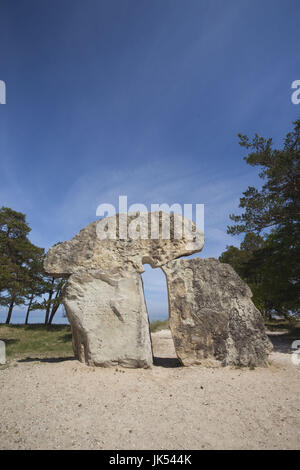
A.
pixel 17 256
pixel 274 213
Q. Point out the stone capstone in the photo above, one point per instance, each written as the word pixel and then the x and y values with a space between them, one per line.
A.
pixel 87 251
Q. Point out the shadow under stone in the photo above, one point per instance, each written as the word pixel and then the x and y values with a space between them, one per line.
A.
pixel 283 342
pixel 47 359
pixel 168 362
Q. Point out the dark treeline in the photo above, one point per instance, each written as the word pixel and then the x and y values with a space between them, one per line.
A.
pixel 269 256
pixel 22 277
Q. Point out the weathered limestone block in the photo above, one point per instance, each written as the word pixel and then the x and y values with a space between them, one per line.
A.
pixel 109 319
pixel 212 317
pixel 87 251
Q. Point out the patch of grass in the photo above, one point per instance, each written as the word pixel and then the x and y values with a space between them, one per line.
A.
pixel 158 325
pixel 37 340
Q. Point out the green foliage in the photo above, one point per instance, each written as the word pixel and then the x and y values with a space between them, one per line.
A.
pixel 17 255
pixel 278 202
pixel 158 325
pixel 22 277
pixel 270 263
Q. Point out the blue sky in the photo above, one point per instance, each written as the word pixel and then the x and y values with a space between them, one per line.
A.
pixel 143 98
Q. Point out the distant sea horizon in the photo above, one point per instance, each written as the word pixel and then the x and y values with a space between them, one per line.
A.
pixel 18 317
pixel 36 317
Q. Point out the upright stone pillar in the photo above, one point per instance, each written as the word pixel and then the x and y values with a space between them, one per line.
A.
pixel 109 319
pixel 212 317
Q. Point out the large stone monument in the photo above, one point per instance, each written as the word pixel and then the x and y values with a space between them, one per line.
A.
pixel 212 318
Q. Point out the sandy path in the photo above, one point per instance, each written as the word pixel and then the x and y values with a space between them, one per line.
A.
pixel 66 405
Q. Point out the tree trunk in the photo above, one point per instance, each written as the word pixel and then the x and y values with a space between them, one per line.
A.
pixel 28 310
pixel 49 303
pixel 54 310
pixel 54 307
pixel 11 306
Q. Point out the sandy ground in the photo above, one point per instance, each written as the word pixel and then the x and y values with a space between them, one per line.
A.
pixel 63 404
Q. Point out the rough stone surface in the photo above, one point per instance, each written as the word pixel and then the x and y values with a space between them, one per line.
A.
pixel 87 252
pixel 109 319
pixel 2 353
pixel 212 317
